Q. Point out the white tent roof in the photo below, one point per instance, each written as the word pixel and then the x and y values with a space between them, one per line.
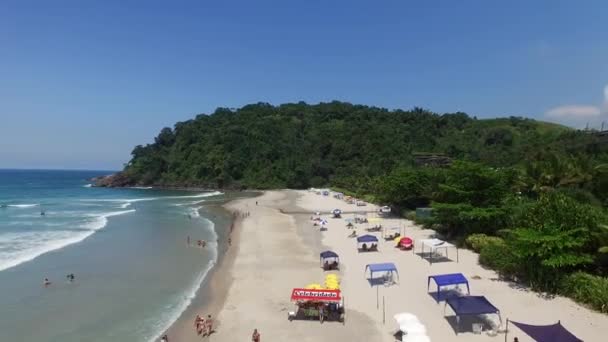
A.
pixel 435 244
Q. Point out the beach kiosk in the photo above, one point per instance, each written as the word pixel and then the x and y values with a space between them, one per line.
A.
pixel 329 260
pixel 443 280
pixel 433 246
pixel 387 270
pixel 317 304
pixel 470 306
pixel 544 333
pixel 367 243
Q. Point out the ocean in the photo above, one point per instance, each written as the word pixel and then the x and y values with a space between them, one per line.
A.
pixel 134 272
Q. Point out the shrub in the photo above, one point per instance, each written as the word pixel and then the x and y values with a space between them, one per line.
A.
pixel 411 215
pixel 497 255
pixel 586 288
pixel 477 241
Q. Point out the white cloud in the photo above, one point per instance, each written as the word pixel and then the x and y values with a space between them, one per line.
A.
pixel 575 111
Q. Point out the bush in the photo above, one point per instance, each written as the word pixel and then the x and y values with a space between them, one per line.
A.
pixel 477 241
pixel 586 288
pixel 497 255
pixel 411 215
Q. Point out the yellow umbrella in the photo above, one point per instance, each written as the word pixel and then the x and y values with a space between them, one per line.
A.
pixel 331 283
pixel 398 239
pixel 333 287
pixel 314 287
pixel 334 276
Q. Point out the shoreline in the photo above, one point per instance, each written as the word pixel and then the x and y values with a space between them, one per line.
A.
pixel 210 297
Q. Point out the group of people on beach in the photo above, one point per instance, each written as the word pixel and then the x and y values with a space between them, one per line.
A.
pixel 70 277
pixel 203 326
pixel 199 243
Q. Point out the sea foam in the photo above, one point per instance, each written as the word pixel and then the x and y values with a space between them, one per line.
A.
pixel 19 247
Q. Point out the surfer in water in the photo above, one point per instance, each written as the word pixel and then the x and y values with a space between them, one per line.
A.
pixel 42 213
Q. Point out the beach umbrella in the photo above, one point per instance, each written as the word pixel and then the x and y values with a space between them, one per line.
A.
pixel 314 286
pixel 398 239
pixel 406 317
pixel 406 242
pixel 413 328
pixel 324 222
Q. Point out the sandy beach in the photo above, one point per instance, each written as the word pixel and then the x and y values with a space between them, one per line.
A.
pixel 277 248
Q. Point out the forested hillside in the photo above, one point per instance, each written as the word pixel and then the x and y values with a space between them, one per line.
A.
pixel 300 145
pixel 529 196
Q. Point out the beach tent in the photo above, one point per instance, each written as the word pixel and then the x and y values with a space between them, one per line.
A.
pixel 367 239
pixel 545 333
pixel 337 213
pixel 433 246
pixel 387 267
pixel 329 255
pixel 445 280
pixel 471 306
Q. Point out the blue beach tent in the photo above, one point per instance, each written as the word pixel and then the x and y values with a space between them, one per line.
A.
pixel 367 239
pixel 387 267
pixel 471 306
pixel 445 280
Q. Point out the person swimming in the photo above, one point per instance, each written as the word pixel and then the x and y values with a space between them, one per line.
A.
pixel 70 277
pixel 46 282
pixel 42 213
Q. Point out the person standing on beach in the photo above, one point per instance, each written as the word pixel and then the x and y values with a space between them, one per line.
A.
pixel 208 325
pixel 255 337
pixel 188 240
pixel 229 241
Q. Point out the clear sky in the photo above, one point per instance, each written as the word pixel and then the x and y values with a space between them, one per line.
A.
pixel 83 82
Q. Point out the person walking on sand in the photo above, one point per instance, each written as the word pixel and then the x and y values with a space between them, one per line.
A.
pixel 208 325
pixel 255 337
pixel 199 324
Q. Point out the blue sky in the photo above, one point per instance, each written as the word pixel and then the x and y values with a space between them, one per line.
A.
pixel 83 82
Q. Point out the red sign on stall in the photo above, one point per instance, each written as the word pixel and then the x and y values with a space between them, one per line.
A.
pixel 315 295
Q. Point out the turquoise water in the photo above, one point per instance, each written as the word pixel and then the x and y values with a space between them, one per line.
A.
pixel 127 248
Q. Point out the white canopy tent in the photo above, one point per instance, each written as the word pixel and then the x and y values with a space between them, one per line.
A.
pixel 434 246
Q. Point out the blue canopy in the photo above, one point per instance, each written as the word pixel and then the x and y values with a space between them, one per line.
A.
pixel 328 254
pixel 367 238
pixel 447 279
pixel 384 267
pixel 471 305
pixel 546 333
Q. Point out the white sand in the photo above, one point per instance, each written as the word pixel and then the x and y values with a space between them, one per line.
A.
pixel 277 252
pixel 410 295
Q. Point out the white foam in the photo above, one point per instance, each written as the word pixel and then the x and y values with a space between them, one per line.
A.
pixel 22 205
pixel 133 200
pixel 33 244
pixel 141 187
pixel 87 185
pixel 166 321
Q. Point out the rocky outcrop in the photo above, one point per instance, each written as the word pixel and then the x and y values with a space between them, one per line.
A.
pixel 115 180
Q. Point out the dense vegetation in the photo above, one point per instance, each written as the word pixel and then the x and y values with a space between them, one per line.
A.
pixel 529 196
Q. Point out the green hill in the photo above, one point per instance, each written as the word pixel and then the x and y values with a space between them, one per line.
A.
pixel 298 145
